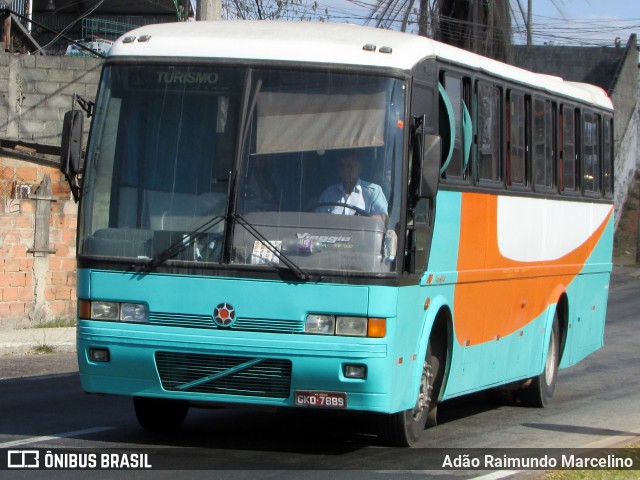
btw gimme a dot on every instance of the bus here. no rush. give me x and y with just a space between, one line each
329 216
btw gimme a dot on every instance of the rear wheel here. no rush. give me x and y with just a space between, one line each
403 429
159 414
539 390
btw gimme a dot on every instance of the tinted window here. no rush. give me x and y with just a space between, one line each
517 140
591 161
489 139
568 149
543 145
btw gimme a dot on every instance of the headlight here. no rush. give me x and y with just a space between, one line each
323 324
113 311
351 326
320 324
133 312
105 311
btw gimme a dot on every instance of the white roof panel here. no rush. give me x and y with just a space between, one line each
327 43
273 40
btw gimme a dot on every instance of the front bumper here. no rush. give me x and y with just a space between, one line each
227 367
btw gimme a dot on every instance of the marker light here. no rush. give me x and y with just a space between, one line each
377 328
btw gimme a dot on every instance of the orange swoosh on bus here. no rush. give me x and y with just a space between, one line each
497 296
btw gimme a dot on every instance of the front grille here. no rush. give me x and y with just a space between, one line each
243 324
220 374
180 320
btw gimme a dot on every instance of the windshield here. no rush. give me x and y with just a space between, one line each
307 161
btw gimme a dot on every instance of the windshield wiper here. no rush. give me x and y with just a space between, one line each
299 272
182 244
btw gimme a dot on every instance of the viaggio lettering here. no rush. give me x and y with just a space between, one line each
324 238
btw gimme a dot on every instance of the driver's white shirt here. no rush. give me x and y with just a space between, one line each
365 196
354 198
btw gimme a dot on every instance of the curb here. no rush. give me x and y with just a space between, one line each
30 339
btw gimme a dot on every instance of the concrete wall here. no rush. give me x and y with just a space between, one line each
36 90
626 161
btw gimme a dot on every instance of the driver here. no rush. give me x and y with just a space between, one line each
364 196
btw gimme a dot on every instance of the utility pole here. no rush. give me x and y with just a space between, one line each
209 10
529 15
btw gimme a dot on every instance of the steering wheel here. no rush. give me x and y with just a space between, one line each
358 210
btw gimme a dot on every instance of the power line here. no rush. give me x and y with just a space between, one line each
545 29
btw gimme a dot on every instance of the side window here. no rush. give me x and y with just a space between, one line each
568 153
543 144
453 87
607 156
488 164
517 138
591 153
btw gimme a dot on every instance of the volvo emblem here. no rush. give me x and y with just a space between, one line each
224 315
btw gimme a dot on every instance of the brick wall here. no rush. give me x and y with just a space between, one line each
35 287
35 91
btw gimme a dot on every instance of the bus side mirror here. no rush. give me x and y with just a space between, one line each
71 149
430 153
71 146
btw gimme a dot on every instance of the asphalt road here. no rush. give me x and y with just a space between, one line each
595 404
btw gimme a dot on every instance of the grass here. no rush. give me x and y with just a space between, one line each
631 451
57 323
44 348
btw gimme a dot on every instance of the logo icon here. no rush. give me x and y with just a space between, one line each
23 459
224 315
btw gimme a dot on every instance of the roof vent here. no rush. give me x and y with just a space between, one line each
144 38
369 47
385 50
129 39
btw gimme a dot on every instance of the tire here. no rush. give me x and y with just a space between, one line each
160 415
404 429
539 390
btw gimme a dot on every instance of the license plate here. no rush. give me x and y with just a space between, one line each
321 399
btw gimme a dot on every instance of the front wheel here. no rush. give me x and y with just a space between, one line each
159 414
539 390
403 429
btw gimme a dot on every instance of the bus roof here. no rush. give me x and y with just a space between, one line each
326 43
